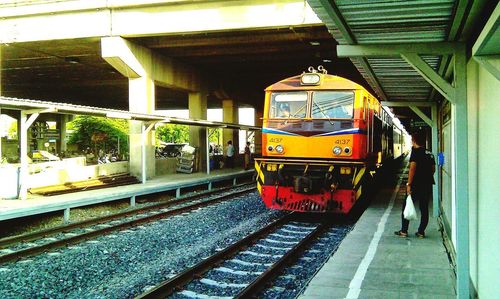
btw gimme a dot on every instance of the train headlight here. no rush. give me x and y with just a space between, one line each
270 148
279 149
310 79
337 150
347 150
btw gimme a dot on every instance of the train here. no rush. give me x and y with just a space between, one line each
324 138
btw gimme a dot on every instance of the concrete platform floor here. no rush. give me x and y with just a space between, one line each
15 208
372 262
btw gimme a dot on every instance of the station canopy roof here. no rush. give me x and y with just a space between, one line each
33 106
401 22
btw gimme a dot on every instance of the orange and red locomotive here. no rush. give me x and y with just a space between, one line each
323 138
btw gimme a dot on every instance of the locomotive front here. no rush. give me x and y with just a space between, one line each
314 145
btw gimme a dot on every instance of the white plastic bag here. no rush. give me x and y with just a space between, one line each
409 213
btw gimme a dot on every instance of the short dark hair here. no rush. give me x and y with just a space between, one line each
418 138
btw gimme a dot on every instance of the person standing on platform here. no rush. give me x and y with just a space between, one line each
419 185
247 156
230 154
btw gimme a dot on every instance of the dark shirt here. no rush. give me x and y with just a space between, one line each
423 176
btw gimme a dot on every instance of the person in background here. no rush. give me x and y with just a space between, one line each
419 186
230 154
247 156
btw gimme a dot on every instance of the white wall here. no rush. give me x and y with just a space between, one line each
484 163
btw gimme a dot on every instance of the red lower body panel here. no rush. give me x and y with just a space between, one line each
284 198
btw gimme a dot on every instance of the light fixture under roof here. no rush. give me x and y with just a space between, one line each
72 59
314 43
327 60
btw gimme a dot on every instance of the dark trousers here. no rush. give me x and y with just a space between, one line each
230 162
423 197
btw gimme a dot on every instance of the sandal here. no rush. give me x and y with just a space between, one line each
401 233
420 235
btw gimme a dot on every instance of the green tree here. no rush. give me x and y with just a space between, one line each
173 133
215 136
99 133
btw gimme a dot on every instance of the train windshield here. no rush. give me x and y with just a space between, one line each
288 105
332 104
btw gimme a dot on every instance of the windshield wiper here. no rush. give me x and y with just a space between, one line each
323 112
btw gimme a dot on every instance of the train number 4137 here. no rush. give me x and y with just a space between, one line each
342 141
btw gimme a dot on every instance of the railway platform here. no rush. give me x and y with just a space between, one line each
11 209
371 262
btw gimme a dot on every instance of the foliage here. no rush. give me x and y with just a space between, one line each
173 133
99 133
216 137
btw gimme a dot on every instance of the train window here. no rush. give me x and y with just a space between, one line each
288 105
332 104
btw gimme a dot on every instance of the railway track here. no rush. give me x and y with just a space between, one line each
246 268
18 247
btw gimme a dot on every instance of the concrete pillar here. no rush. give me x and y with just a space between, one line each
198 135
61 125
144 67
258 134
24 124
230 115
136 63
141 99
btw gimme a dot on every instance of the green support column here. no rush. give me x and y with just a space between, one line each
435 151
459 110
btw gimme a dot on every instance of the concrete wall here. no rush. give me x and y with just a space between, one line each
166 166
75 172
484 162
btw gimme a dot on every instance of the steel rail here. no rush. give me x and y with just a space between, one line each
9 241
261 282
98 232
169 286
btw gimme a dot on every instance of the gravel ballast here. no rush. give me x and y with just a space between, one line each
126 263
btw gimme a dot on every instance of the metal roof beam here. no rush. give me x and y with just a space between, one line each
441 48
430 75
486 49
422 115
488 41
334 13
369 71
491 63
